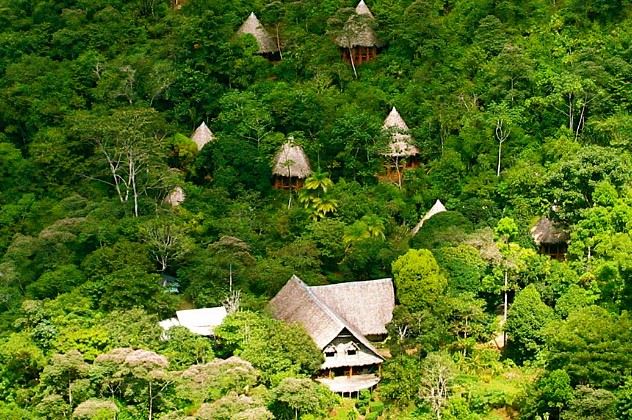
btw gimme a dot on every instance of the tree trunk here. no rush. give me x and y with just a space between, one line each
500 149
505 305
230 277
506 298
151 403
355 73
399 173
278 42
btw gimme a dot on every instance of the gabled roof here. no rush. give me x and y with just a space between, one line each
310 307
291 161
548 232
436 208
202 135
199 321
367 305
253 27
401 141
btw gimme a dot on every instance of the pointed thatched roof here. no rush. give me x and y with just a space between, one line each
401 141
175 197
202 135
357 31
253 27
546 231
436 208
363 9
297 302
291 161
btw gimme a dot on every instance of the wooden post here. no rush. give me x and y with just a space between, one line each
350 371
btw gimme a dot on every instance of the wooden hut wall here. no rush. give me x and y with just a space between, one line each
285 183
360 54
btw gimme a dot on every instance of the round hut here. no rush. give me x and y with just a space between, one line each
401 154
202 135
268 45
551 239
358 42
291 167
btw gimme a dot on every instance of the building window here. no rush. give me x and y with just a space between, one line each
330 351
352 349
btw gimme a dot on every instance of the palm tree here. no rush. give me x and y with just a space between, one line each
319 181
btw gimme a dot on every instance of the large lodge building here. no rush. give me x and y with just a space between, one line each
342 319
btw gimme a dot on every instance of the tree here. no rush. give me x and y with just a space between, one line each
61 373
130 144
314 195
527 319
304 396
279 350
167 241
504 118
231 250
418 279
137 376
436 381
591 404
592 346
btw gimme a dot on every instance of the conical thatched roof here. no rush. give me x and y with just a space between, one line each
202 135
401 142
252 26
363 9
175 197
547 232
437 208
291 161
357 31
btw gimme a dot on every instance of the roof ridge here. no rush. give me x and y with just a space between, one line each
385 279
340 319
318 302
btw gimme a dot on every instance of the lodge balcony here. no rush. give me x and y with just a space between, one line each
350 386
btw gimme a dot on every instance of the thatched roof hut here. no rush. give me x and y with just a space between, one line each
252 26
175 197
436 208
546 232
401 141
202 135
291 162
357 31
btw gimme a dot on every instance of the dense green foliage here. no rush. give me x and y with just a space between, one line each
519 110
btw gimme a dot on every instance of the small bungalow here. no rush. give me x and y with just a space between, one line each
436 208
342 319
199 321
358 42
202 136
290 167
401 154
551 239
268 46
